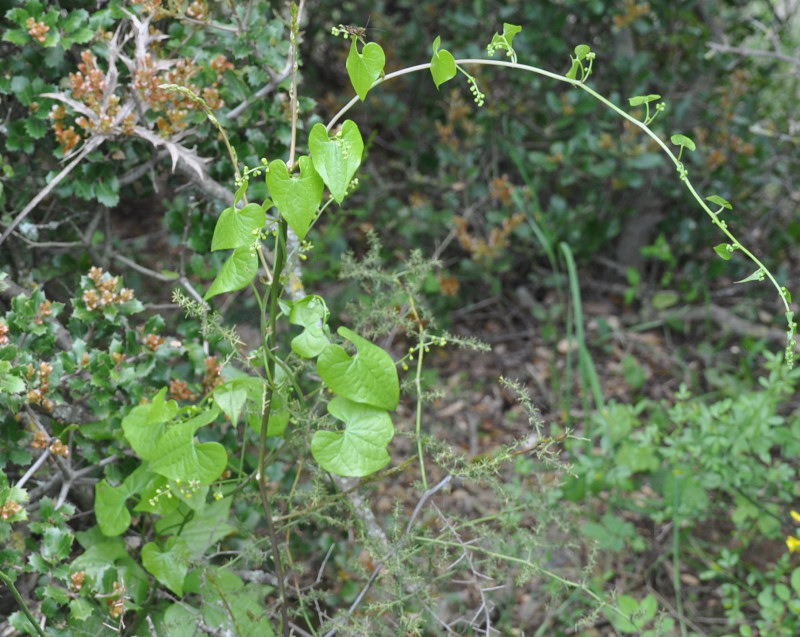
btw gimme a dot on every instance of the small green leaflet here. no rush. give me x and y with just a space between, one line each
311 313
643 99
168 566
682 140
443 64
724 251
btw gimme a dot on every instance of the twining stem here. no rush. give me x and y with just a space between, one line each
636 122
268 343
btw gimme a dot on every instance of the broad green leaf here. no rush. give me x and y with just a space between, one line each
719 201
365 67
682 140
232 395
311 313
168 566
723 250
360 449
203 530
297 198
238 228
180 457
336 160
112 514
278 417
758 275
145 424
643 99
237 272
368 377
443 64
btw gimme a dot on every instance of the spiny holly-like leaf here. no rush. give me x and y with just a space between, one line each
312 313
237 228
360 449
443 64
365 67
682 140
237 272
298 197
336 160
368 377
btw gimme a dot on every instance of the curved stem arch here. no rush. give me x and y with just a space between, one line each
721 225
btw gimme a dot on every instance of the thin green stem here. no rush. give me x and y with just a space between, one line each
721 225
418 387
21 603
581 586
268 343
676 562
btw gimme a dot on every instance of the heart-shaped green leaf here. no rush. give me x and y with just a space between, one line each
723 251
168 566
443 64
361 448
336 160
236 228
237 272
180 457
312 313
231 396
365 67
297 198
368 377
112 514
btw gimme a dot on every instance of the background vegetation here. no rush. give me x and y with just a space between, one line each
637 473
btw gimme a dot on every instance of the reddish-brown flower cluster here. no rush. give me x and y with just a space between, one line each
116 604
632 11
153 341
197 10
45 309
66 137
77 578
3 333
108 291
482 249
212 376
37 30
42 441
9 509
38 395
179 390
